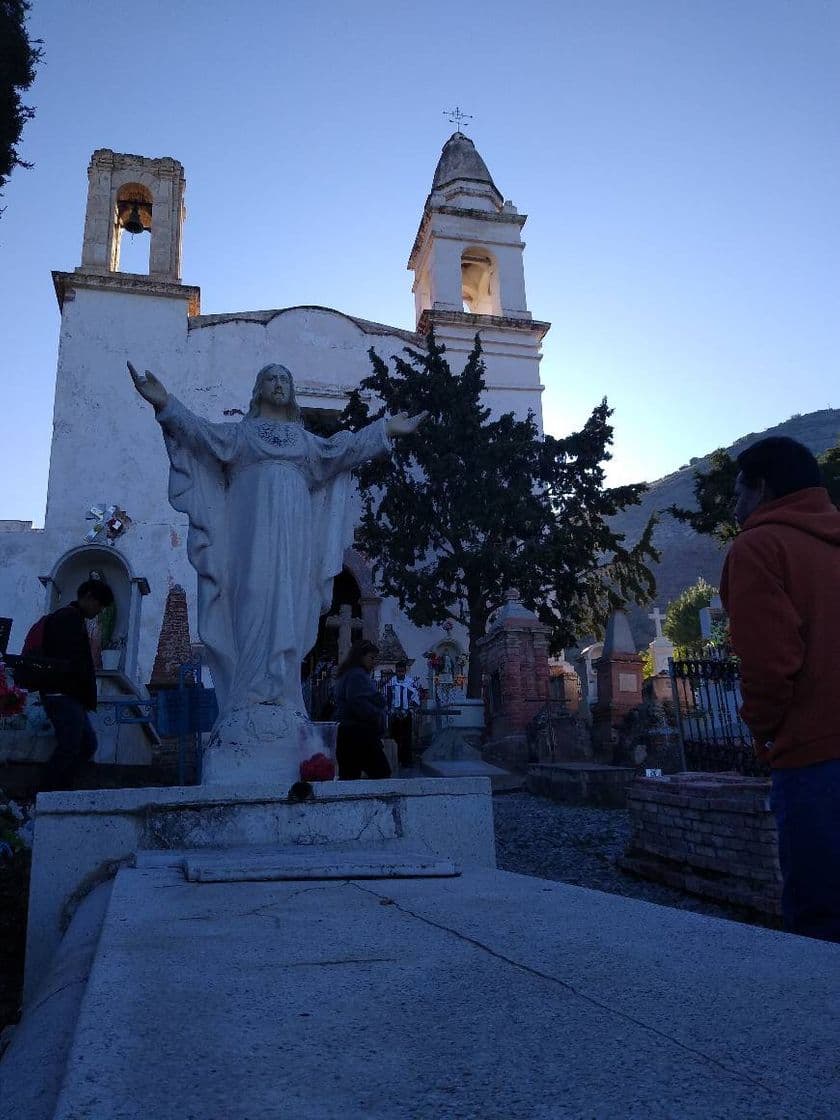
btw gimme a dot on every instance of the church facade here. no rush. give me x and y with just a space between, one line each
467 263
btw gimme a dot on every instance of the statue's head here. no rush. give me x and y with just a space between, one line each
275 387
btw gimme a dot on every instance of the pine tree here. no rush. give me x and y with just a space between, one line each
470 506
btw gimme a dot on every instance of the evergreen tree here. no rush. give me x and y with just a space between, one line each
714 493
468 507
682 618
18 59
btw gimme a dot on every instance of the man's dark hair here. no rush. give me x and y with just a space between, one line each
354 658
783 463
97 590
401 665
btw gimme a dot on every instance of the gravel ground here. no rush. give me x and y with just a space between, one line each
580 845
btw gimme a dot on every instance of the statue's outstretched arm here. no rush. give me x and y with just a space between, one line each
149 387
403 425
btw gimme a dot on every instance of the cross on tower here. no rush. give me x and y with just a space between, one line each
657 617
345 624
457 117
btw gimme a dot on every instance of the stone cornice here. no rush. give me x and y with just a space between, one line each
131 283
503 217
437 317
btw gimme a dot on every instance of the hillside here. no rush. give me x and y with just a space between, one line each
685 554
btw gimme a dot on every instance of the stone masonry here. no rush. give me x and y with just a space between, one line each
709 834
514 660
173 648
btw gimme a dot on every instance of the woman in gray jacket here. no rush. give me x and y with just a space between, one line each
360 713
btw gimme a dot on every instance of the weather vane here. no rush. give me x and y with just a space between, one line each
457 117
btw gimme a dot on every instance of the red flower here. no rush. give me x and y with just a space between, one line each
12 698
318 768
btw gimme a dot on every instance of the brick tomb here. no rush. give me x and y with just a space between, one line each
709 834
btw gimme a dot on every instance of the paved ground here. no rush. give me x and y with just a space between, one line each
489 996
574 844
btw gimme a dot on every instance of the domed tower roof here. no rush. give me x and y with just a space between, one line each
460 160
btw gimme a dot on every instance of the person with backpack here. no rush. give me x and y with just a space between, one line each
66 679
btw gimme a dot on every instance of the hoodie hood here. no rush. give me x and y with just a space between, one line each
810 510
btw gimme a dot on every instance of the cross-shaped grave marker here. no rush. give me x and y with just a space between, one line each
345 624
657 617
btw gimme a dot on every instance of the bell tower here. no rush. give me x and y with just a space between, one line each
140 196
103 448
133 194
469 277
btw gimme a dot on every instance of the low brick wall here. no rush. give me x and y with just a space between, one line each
709 834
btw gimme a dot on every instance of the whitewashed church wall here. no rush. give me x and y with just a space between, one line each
321 348
22 560
106 446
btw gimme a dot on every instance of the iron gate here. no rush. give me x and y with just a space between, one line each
707 700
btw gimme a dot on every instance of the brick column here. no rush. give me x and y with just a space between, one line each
174 642
619 672
514 662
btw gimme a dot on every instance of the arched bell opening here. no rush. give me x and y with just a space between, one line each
132 216
480 282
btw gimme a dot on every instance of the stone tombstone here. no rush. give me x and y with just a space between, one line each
661 648
586 661
348 628
514 653
620 671
565 683
709 616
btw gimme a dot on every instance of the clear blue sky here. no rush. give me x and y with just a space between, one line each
679 161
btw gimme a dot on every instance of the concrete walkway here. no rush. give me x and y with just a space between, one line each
489 995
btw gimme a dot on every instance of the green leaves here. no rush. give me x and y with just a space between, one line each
471 505
20 57
714 492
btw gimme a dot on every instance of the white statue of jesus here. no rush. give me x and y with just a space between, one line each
270 514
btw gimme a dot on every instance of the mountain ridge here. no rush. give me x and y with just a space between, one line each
685 554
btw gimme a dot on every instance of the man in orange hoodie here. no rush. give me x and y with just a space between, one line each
781 589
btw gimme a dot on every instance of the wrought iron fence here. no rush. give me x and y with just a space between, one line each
707 700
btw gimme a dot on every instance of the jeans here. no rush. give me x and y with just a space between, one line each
75 741
806 804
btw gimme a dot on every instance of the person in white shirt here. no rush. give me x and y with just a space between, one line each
403 697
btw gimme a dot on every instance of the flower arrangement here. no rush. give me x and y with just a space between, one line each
318 768
109 523
15 828
12 698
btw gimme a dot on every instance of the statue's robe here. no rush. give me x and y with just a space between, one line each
271 510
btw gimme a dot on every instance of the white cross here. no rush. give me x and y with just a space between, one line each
657 617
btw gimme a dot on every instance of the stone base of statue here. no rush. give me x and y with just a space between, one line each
264 745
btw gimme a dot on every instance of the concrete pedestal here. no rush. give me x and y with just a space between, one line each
265 745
